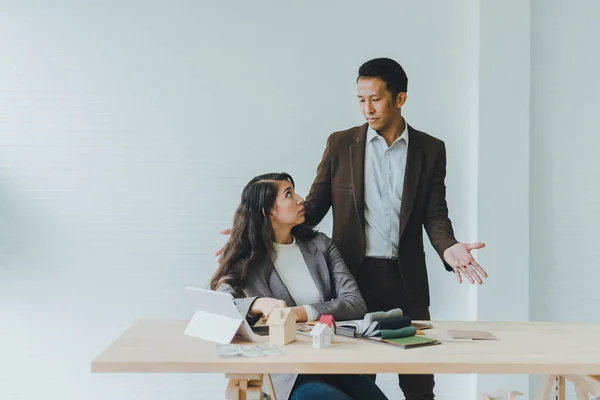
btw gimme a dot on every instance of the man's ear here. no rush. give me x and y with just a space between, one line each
401 99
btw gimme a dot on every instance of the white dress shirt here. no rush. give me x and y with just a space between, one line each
293 271
384 181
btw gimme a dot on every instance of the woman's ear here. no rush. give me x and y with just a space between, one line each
265 214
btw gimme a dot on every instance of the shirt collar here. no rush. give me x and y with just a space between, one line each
371 134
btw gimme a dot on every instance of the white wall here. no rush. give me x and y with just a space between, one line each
129 132
126 135
503 170
565 168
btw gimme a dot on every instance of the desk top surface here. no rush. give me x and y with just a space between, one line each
521 348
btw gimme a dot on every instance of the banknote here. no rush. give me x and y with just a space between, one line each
270 350
251 350
228 350
247 350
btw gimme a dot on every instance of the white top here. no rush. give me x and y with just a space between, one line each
384 180
294 273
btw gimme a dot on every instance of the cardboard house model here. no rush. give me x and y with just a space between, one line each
329 321
322 336
282 326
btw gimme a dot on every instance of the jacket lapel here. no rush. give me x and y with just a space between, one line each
357 170
317 265
411 178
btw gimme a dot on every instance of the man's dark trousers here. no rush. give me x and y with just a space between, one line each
380 283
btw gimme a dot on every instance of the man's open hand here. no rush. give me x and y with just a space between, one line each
462 262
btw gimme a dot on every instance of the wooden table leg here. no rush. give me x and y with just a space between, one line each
561 388
244 387
546 388
581 394
232 392
248 387
585 385
269 385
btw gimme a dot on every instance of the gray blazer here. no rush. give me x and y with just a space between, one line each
339 292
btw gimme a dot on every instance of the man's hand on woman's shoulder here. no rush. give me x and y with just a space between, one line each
219 253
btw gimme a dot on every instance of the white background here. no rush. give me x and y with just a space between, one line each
128 130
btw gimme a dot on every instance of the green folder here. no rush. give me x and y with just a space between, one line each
398 333
412 341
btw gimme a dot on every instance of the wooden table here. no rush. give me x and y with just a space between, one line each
559 350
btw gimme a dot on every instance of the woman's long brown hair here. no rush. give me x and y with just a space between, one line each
251 239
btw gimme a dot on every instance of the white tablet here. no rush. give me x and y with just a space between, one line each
217 318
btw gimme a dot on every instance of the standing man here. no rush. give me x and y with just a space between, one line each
385 181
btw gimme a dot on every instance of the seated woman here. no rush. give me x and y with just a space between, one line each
272 260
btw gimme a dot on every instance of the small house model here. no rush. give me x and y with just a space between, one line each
282 326
322 336
329 321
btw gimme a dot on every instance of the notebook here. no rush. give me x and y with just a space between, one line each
405 342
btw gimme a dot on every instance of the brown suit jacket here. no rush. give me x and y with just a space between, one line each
340 184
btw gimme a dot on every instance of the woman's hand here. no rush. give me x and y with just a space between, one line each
301 315
264 306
